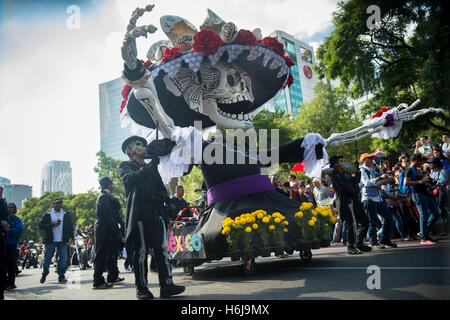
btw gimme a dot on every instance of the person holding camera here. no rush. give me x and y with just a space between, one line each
58 228
145 216
374 204
423 147
419 182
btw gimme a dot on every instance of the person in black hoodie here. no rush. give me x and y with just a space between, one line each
145 218
58 228
349 206
107 236
4 227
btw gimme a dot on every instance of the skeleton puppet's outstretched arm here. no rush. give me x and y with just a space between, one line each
401 113
137 76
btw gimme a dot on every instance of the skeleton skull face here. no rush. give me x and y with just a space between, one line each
226 93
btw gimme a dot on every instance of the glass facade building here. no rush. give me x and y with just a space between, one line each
111 133
17 193
56 176
302 90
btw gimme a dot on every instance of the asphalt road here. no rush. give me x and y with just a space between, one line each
409 272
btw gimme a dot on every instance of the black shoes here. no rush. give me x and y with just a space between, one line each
101 286
389 244
42 279
62 280
118 280
170 290
364 248
144 294
352 250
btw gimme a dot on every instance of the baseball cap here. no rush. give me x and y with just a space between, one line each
364 156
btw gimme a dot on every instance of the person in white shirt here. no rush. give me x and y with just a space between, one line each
58 228
423 147
374 205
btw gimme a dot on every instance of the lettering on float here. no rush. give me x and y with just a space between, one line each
189 242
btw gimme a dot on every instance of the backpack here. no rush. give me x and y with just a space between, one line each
401 182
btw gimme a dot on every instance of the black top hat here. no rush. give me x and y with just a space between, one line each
334 160
131 139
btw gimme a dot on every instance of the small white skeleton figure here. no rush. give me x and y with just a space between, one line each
401 113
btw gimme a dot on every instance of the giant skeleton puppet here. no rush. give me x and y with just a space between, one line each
223 76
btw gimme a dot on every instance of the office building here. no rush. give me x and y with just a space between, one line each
56 176
17 193
111 133
305 79
4 181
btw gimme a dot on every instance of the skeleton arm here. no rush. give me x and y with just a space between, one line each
401 113
137 76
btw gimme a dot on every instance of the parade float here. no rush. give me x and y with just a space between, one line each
213 80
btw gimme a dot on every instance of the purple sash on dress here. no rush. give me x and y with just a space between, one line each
239 187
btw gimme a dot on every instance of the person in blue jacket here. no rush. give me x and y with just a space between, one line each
14 233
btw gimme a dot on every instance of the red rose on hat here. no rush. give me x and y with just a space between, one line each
273 44
171 53
207 42
245 37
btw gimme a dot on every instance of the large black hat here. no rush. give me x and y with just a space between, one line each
130 139
263 62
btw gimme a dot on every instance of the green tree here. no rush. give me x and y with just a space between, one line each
83 208
406 57
107 166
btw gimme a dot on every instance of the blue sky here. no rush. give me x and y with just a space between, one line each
50 74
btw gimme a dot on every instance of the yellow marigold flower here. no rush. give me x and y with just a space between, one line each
265 220
255 226
277 220
285 230
285 223
248 229
253 220
314 213
314 218
248 220
326 224
260 215
300 214
311 223
271 227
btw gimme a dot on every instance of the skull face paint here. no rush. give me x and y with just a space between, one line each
137 148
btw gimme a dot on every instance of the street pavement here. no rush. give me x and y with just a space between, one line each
409 272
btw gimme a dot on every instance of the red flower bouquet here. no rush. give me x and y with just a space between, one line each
380 112
171 53
245 37
207 42
273 44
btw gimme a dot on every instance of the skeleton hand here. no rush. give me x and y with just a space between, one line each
401 113
404 112
129 50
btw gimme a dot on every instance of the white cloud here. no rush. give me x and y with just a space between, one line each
50 75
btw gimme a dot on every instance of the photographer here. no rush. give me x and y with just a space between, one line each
423 147
422 197
374 204
440 179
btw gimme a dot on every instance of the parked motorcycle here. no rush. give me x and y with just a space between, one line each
30 258
79 254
